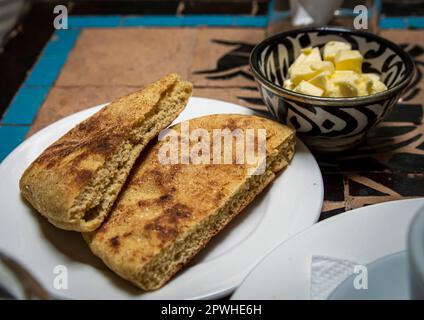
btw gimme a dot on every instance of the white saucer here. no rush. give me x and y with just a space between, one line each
362 235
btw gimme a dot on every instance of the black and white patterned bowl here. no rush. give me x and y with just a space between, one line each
329 124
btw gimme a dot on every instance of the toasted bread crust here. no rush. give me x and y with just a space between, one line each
167 213
55 181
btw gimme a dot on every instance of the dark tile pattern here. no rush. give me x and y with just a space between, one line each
406 185
225 7
169 7
357 189
334 186
21 51
125 7
331 213
402 8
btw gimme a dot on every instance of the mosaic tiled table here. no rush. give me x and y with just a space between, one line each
91 64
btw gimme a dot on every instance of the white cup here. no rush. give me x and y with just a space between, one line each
416 255
313 12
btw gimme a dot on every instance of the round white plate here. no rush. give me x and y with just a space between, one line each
292 204
362 235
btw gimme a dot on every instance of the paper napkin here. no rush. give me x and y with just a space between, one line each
327 273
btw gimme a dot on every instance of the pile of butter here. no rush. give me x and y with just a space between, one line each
338 74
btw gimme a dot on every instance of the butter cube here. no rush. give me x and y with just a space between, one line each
307 88
311 54
321 79
373 83
338 75
288 84
344 75
348 89
322 66
307 56
307 50
349 60
301 72
372 76
306 71
332 90
377 86
332 47
363 85
345 83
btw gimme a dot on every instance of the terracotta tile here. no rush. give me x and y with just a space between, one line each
403 36
128 56
244 97
62 102
221 56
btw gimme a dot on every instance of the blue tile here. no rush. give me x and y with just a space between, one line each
152 21
393 23
416 22
251 21
278 15
25 105
61 43
193 21
32 93
346 12
45 71
271 8
52 58
10 138
208 20
93 21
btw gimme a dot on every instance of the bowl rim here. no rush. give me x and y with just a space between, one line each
334 101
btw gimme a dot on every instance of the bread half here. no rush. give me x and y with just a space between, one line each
166 213
76 180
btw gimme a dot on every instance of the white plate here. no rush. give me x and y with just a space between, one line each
362 235
273 217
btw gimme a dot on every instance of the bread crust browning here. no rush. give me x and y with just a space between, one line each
167 213
57 180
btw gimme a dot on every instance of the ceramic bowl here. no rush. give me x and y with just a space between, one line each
329 124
